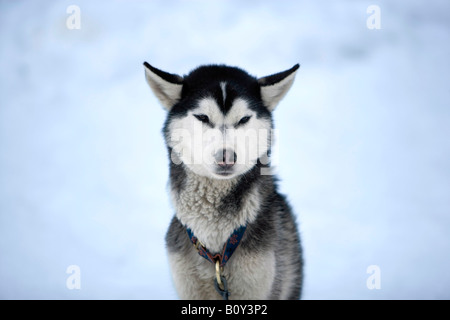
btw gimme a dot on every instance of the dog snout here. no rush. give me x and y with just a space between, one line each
225 158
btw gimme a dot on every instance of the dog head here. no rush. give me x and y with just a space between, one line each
219 122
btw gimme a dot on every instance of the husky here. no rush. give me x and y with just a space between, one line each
233 236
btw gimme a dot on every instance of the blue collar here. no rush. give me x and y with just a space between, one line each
228 248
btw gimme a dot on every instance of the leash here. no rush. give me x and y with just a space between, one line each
219 259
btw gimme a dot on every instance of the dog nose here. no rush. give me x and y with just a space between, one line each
225 158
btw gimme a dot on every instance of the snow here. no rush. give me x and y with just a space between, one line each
363 145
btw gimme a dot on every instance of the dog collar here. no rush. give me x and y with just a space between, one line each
228 248
219 259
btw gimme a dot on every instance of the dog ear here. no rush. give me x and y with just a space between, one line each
275 86
166 86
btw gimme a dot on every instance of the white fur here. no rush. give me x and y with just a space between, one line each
272 94
196 143
196 207
168 93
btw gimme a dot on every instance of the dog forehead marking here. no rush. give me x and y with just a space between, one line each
223 86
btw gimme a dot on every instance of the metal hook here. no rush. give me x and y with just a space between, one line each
219 275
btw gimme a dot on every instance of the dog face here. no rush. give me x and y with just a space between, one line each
219 122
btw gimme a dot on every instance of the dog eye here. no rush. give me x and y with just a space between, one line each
202 117
244 120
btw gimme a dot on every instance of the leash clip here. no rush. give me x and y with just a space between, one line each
220 282
219 276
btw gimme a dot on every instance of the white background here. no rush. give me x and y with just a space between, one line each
364 140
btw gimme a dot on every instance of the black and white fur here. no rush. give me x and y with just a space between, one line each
218 194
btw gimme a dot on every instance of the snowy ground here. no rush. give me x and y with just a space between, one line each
364 140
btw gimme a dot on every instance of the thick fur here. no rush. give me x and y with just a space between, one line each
268 262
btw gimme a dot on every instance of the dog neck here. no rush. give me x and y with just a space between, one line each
213 208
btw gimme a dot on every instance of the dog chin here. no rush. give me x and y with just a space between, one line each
218 173
224 174
213 173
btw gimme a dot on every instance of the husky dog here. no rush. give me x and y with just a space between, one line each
233 235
